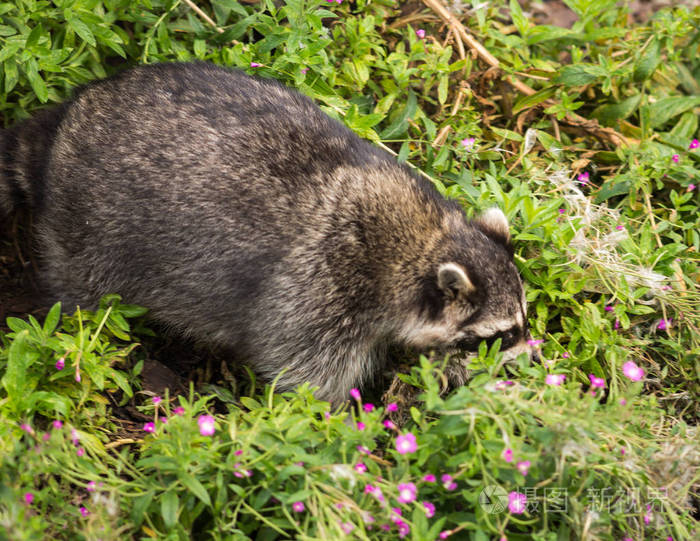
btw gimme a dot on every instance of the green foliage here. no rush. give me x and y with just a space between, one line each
606 236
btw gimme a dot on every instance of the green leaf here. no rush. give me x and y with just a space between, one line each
82 30
195 487
686 126
577 75
38 84
141 503
16 380
648 62
611 188
169 504
34 36
11 74
665 109
52 318
400 124
530 101
609 114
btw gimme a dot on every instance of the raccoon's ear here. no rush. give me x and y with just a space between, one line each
493 221
453 280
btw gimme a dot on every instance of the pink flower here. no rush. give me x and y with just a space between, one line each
664 324
676 158
429 509
500 385
694 144
388 424
517 503
468 143
363 449
565 355
298 507
238 452
347 527
149 427
447 482
28 498
90 486
255 65
406 443
84 511
619 227
429 478
57 424
623 402
392 407
368 407
554 379
61 363
445 534
74 436
304 70
156 400
608 308
420 33
632 371
77 374
562 211
376 492
622 451
355 393
534 343
361 425
596 382
28 429
508 455
360 467
206 425
178 410
524 467
407 492
616 325
690 187
80 451
583 177
404 529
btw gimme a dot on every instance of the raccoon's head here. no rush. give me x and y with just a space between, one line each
472 293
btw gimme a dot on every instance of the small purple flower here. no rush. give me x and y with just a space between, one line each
304 70
179 410
468 143
388 424
694 144
632 371
392 407
445 534
664 324
347 527
407 492
619 227
149 427
80 451
362 449
501 385
562 211
404 529
524 467
554 379
255 65
616 325
91 486
608 308
361 425
156 400
206 425
368 407
517 503
565 355
690 187
421 34
623 402
406 443
429 509
360 467
28 429
583 177
298 507
28 498
238 452
676 158
507 455
84 511
355 393
596 383
429 478
534 343
61 363
57 424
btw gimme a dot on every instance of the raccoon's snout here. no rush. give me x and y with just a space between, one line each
535 356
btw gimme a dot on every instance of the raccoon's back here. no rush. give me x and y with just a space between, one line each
179 185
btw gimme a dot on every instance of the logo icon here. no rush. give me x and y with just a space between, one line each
493 499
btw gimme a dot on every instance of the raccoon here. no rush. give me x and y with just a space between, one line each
243 216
